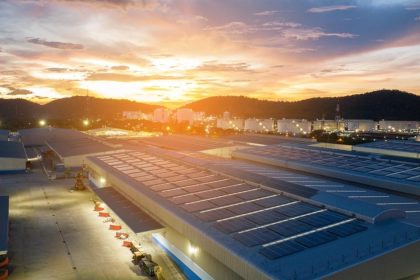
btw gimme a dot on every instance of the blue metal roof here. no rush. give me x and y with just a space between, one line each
4 222
395 145
4 132
11 149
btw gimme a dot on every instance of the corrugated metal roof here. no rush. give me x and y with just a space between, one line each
133 217
11 149
75 147
4 222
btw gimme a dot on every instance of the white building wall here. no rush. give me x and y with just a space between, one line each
360 125
259 125
162 115
236 124
398 126
294 126
185 115
328 125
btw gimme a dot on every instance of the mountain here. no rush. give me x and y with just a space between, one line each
19 109
72 107
80 106
381 104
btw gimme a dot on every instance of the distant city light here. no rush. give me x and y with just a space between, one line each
42 122
86 122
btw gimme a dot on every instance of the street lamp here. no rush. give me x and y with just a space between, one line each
42 122
86 122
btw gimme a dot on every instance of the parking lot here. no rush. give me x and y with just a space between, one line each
55 234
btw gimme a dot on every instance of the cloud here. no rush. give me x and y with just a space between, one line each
234 27
417 18
127 77
120 67
326 9
316 33
266 13
143 4
223 67
55 45
20 92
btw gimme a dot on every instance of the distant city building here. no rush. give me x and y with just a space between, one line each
360 125
236 124
226 115
199 116
259 125
136 115
329 125
185 115
294 126
161 115
399 126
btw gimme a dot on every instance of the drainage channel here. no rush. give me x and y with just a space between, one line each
73 265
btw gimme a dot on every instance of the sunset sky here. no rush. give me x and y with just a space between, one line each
174 51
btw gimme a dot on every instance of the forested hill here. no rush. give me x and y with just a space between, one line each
381 104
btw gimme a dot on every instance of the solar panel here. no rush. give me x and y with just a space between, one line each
209 179
296 209
186 183
347 229
257 237
266 217
198 206
184 199
238 188
153 182
210 194
163 187
290 228
245 208
145 178
223 183
322 219
226 200
234 225
171 193
273 201
254 194
281 249
316 239
214 215
166 174
197 188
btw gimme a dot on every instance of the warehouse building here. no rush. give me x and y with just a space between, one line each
259 125
12 157
294 126
399 126
73 152
234 124
224 222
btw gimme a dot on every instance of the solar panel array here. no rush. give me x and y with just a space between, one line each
405 171
341 188
276 224
404 146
